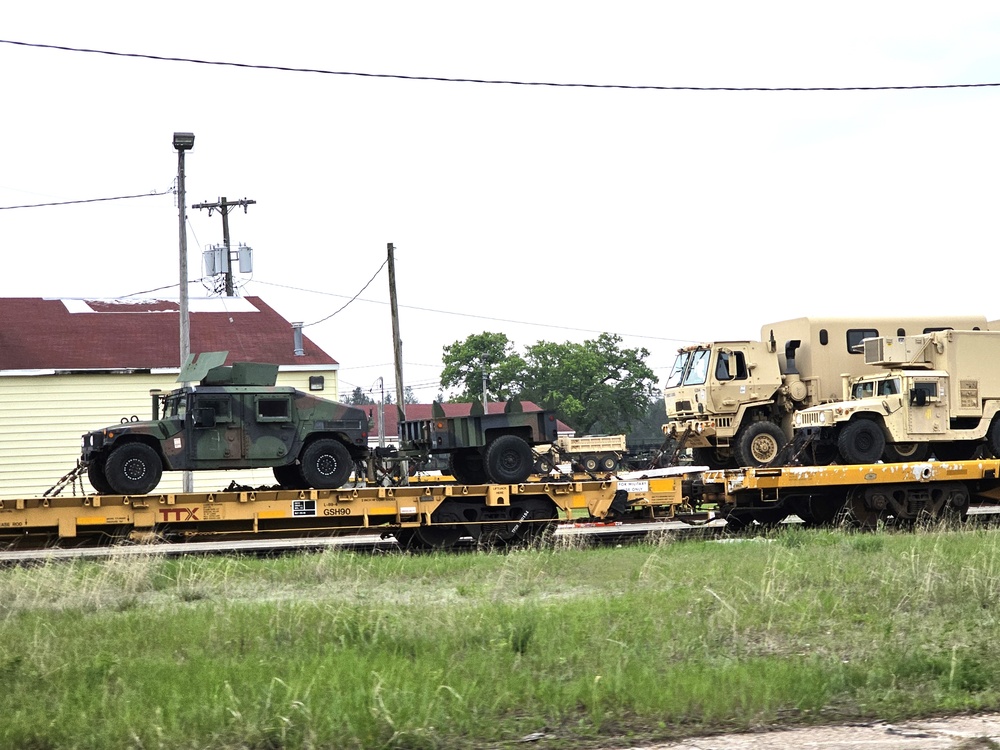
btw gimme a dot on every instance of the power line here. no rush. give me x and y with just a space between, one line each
472 315
352 298
501 82
87 200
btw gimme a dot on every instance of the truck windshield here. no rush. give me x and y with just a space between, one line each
676 376
175 406
690 368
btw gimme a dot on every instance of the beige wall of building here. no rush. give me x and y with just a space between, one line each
43 416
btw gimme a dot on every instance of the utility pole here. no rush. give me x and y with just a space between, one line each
224 207
397 344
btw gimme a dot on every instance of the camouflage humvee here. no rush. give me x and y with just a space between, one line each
235 418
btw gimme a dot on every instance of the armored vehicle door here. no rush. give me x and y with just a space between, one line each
270 429
928 410
216 433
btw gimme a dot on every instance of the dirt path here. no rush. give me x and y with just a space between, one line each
955 733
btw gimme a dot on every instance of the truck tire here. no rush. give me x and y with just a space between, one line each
326 464
759 443
508 460
133 469
608 461
98 480
861 442
590 463
901 452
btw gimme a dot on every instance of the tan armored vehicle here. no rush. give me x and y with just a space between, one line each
732 401
935 393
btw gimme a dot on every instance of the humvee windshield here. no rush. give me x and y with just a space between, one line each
869 388
175 406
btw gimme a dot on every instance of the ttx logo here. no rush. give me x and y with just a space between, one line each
179 514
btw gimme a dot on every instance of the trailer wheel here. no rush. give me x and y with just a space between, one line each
98 480
466 466
508 460
543 466
861 442
608 462
898 452
759 443
590 464
326 464
133 469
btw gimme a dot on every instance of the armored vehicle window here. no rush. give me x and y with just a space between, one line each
273 409
218 404
731 366
856 335
864 389
888 387
921 393
943 328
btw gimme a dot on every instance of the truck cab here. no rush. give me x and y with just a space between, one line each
708 393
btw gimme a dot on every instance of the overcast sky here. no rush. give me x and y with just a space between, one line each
542 212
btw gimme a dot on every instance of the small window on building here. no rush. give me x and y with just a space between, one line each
273 409
316 382
856 335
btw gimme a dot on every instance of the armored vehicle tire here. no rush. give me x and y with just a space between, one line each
759 443
289 477
467 466
326 464
98 480
899 452
608 461
133 469
508 460
861 442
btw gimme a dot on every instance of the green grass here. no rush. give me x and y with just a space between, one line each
603 646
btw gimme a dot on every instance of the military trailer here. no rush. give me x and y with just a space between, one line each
482 448
234 418
935 393
732 402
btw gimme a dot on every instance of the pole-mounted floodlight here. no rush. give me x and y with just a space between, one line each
183 142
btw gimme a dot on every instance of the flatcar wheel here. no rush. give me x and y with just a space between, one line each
857 514
429 537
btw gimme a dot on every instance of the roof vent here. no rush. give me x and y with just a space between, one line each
297 333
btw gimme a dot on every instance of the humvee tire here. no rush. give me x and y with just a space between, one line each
133 469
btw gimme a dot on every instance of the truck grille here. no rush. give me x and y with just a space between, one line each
810 420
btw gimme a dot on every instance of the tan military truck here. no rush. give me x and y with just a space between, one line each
732 401
934 393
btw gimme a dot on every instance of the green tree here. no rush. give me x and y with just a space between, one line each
357 397
593 386
408 396
465 363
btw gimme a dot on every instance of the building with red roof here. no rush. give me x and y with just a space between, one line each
68 366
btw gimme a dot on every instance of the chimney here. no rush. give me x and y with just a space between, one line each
297 333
